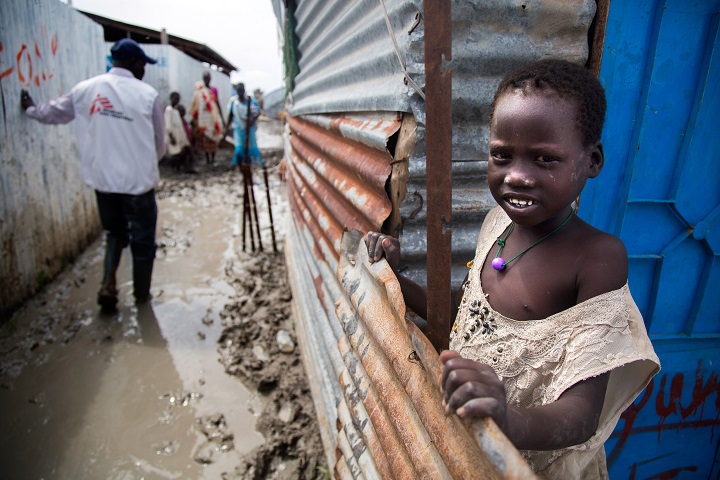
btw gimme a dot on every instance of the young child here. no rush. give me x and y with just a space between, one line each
547 339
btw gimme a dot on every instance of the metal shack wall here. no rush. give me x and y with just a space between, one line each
345 136
660 193
178 72
47 213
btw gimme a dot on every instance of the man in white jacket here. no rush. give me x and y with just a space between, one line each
120 135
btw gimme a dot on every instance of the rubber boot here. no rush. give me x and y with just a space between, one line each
107 295
142 277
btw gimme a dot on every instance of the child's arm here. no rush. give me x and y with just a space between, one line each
473 390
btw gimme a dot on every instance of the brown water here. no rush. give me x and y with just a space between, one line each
139 394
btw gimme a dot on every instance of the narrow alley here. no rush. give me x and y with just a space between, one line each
146 393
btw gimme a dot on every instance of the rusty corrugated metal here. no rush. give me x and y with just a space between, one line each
335 182
373 319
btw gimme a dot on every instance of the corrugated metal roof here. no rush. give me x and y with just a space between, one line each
115 30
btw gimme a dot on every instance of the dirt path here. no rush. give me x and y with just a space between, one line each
194 385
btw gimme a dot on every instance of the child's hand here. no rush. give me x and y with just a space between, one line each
379 243
472 389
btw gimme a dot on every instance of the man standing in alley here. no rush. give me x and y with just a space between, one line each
121 136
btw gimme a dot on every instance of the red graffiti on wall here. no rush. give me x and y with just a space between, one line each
669 402
30 63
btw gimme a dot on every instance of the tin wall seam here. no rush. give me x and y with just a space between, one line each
46 47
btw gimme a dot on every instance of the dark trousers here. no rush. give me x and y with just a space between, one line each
130 219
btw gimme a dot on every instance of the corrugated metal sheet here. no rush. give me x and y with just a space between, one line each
348 171
347 59
402 370
179 72
336 182
47 213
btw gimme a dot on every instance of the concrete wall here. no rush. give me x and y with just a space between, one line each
47 214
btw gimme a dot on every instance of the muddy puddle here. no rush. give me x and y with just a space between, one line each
204 382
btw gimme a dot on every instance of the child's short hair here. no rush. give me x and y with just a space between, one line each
569 80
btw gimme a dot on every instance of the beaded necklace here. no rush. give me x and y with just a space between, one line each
499 263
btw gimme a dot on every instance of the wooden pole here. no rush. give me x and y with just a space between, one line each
248 169
272 224
438 134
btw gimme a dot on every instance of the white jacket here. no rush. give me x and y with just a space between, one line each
120 130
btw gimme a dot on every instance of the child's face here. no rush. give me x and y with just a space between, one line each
538 164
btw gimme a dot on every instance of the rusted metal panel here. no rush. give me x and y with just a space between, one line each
47 213
372 129
438 132
337 183
374 443
374 320
391 394
306 305
352 443
362 395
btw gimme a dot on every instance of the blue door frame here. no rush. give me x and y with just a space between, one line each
660 193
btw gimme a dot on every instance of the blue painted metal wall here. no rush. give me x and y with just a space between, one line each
660 192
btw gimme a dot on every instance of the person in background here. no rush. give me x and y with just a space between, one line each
206 119
121 136
238 115
547 340
178 144
188 132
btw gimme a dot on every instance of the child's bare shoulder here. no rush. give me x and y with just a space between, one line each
603 263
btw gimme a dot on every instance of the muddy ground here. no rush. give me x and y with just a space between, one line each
257 323
255 342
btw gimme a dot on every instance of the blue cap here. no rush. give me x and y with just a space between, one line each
127 49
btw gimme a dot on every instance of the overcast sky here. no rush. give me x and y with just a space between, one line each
245 32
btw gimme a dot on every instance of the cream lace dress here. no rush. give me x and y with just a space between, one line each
539 359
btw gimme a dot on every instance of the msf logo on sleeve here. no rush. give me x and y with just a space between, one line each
102 106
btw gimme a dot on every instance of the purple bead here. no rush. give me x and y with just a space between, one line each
498 263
